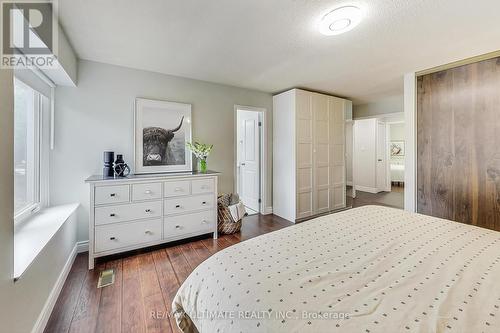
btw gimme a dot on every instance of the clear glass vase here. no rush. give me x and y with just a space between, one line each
202 165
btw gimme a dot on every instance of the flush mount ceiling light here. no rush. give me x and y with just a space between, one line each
340 20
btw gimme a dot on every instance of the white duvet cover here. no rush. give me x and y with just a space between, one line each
369 269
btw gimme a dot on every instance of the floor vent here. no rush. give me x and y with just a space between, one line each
106 278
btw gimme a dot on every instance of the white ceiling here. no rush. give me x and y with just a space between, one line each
273 45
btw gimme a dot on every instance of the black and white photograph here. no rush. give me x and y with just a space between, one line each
161 131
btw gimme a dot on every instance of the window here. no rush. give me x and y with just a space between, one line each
28 139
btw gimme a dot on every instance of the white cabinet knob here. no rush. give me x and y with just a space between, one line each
148 192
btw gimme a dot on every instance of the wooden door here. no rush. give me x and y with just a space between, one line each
458 144
249 158
381 165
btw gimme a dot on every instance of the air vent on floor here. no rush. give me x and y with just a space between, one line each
106 278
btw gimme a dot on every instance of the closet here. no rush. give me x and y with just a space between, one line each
308 153
458 144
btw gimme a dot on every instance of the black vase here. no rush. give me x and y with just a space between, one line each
121 169
108 158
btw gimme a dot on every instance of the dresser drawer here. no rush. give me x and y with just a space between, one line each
188 204
175 226
115 236
199 186
147 191
177 188
121 213
112 194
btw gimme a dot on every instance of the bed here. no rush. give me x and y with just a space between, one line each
368 269
397 172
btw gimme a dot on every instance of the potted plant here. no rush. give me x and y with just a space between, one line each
201 151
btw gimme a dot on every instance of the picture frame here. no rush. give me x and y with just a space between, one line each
397 148
161 130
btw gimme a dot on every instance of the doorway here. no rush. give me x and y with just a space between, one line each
397 149
378 161
250 157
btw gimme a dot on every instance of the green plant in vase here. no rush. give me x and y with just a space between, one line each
201 151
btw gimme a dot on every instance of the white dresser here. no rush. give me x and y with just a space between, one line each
145 210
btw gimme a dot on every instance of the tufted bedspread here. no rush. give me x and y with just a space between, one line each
369 269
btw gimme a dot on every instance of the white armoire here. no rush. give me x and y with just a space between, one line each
308 153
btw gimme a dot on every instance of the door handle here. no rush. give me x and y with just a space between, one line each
243 164
379 160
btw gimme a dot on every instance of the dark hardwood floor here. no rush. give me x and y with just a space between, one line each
145 284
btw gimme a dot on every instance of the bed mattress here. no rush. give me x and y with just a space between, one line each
397 173
369 269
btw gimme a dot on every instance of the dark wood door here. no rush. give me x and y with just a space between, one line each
458 144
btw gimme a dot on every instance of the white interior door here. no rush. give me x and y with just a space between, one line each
248 158
381 156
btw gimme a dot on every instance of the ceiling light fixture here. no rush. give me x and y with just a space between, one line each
340 20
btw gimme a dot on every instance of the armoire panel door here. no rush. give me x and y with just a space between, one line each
321 153
337 151
304 154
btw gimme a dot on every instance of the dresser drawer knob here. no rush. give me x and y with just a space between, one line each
112 238
178 189
204 203
148 232
204 221
148 210
177 227
177 206
112 194
112 215
148 192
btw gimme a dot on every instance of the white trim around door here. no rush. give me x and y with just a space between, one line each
410 107
263 209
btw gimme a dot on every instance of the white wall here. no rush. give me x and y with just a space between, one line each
21 302
393 104
364 157
98 115
397 133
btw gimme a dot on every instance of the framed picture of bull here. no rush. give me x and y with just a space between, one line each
161 132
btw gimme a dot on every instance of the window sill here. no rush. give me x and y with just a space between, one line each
34 233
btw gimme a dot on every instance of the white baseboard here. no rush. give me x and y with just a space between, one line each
367 189
267 211
82 246
44 316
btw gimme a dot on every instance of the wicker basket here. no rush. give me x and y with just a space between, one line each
225 222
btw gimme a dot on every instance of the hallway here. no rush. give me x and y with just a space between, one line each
394 199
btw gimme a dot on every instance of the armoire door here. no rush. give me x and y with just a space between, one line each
337 108
321 153
304 154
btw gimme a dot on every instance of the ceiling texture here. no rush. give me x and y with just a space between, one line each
273 45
